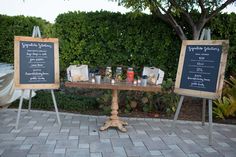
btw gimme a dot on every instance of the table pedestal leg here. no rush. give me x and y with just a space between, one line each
114 120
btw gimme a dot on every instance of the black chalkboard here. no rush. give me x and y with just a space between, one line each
36 62
201 67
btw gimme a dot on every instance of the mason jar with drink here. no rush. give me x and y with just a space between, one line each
130 75
108 74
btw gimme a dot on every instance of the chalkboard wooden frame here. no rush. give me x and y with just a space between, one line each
220 78
56 83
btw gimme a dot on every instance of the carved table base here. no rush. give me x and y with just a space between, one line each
114 123
114 120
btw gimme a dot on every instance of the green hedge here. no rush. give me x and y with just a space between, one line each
69 102
104 38
224 27
11 26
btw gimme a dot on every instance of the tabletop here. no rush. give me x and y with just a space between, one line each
115 86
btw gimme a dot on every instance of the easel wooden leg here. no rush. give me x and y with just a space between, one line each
55 106
210 122
30 96
204 112
19 109
177 113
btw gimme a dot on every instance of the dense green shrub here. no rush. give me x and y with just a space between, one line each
104 38
226 106
68 102
223 26
11 26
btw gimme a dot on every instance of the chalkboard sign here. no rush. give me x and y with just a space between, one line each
201 68
36 63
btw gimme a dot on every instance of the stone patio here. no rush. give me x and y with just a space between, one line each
79 136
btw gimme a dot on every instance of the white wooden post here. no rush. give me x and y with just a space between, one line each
30 98
204 112
177 113
210 122
55 106
19 109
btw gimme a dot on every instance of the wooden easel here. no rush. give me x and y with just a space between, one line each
36 33
206 35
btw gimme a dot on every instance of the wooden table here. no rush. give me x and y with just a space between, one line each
114 120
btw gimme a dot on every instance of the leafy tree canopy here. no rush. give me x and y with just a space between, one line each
174 12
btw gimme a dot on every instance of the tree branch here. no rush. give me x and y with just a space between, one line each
157 11
167 17
202 20
201 4
224 5
184 12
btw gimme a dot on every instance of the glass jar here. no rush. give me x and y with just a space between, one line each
108 74
118 77
144 80
130 75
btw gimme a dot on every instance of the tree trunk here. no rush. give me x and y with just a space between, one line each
196 34
197 28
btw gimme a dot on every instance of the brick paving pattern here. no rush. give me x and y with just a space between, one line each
79 136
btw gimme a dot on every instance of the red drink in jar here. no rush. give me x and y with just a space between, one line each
130 75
